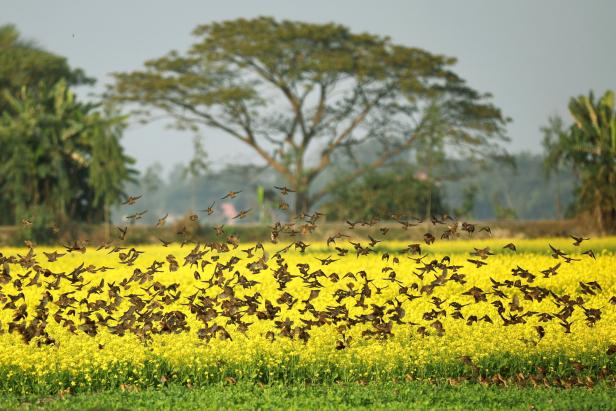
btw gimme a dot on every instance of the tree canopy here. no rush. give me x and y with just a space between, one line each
589 147
381 194
298 93
61 159
23 63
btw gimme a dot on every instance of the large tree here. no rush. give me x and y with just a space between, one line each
382 194
23 63
298 93
60 159
589 147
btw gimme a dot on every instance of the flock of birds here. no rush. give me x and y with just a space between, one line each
225 301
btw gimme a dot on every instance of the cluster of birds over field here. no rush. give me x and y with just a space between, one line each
226 300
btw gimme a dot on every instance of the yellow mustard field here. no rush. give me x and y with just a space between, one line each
147 315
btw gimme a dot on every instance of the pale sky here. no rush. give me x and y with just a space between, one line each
531 55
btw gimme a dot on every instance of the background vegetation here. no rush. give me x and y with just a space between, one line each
354 131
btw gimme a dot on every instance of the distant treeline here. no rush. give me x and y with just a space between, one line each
495 190
392 135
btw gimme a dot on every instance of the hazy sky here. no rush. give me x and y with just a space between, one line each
531 55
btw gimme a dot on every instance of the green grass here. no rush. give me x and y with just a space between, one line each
13 381
390 396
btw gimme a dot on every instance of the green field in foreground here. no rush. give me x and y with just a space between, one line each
390 396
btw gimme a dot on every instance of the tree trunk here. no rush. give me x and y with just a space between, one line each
302 202
599 212
429 203
558 207
107 221
193 194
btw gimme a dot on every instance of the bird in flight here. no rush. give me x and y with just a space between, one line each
210 209
242 214
590 253
578 240
231 194
284 190
162 220
136 216
122 232
510 246
132 200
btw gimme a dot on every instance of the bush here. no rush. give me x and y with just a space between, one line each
381 194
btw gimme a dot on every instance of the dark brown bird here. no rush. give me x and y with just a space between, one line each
132 200
486 229
284 190
326 261
468 227
122 232
429 238
231 194
210 209
242 214
161 221
511 247
351 224
414 248
51 257
556 253
332 239
484 253
551 271
373 242
478 263
578 240
590 253
136 216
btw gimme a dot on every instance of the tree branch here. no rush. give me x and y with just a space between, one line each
248 138
380 161
337 141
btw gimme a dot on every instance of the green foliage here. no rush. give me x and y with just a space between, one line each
60 158
503 212
353 396
469 194
22 63
381 194
41 229
151 180
589 147
297 91
524 190
198 165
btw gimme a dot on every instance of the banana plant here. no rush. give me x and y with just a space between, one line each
59 155
589 146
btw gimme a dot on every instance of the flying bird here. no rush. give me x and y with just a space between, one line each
242 214
162 220
284 190
132 200
210 209
578 240
231 194
511 247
